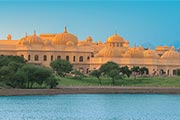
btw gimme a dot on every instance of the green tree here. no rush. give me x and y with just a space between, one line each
9 65
16 73
6 76
143 70
125 71
5 60
32 74
20 79
135 71
178 72
77 74
97 74
111 69
61 67
52 82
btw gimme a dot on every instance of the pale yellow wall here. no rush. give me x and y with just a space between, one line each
89 49
151 64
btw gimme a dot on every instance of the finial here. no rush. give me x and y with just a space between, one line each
149 47
116 33
34 32
9 37
172 48
135 45
65 29
26 34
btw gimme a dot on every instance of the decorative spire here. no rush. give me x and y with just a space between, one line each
65 29
26 35
34 32
115 33
172 48
9 37
149 47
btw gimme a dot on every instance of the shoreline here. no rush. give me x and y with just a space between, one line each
91 90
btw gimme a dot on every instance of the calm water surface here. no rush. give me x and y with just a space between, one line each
91 107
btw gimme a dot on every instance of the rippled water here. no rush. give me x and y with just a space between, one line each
91 107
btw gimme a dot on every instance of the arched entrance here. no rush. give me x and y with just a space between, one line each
174 72
168 72
162 72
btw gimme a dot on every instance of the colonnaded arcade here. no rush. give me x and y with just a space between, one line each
87 55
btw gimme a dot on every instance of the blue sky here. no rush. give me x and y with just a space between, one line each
147 23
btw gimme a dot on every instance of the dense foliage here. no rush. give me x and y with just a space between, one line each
61 67
112 70
16 73
178 72
115 72
97 74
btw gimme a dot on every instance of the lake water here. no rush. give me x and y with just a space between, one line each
91 107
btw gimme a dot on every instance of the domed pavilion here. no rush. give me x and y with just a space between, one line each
88 54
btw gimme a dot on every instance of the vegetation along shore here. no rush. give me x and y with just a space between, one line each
18 77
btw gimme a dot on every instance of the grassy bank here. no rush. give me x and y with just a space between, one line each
140 81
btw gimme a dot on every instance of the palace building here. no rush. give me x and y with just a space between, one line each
87 55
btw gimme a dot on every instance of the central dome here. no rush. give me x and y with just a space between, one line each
171 54
31 40
110 52
63 38
34 39
150 54
115 38
134 53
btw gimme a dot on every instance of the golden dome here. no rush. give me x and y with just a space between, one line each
110 52
9 37
62 38
47 42
70 43
99 42
162 48
126 42
34 40
134 52
141 48
171 54
150 54
23 41
89 39
115 38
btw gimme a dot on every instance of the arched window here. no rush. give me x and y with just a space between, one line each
67 58
36 58
51 57
22 56
58 57
81 59
45 58
29 57
74 58
88 57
